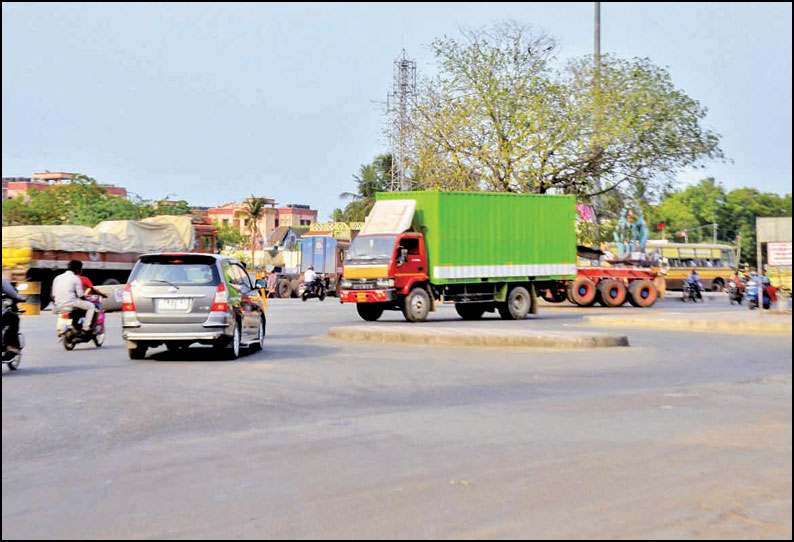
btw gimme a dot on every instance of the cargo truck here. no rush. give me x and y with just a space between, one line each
108 251
482 251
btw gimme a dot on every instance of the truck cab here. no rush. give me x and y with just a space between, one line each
382 268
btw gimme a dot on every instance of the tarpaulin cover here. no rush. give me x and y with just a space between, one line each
147 235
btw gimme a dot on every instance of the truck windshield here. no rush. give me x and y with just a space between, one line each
371 249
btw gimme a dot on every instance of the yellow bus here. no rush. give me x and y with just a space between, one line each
715 262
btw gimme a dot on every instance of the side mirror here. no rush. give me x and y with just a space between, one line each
402 255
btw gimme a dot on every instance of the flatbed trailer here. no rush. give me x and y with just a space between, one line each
609 286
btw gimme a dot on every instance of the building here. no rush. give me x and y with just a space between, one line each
13 186
292 215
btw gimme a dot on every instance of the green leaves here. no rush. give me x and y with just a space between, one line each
500 117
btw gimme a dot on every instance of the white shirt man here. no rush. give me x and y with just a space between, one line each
309 276
67 293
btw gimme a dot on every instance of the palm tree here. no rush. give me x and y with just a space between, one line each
371 178
254 210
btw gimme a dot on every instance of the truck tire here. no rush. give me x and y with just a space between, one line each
470 311
583 292
612 293
283 289
416 305
294 284
369 311
642 293
110 282
517 305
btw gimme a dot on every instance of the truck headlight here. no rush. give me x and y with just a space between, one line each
384 283
345 283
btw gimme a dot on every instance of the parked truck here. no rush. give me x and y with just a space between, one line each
108 251
484 252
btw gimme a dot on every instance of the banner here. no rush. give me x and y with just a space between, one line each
778 253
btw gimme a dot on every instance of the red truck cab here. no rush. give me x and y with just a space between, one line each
381 268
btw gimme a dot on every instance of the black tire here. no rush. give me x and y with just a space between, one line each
305 296
717 285
283 288
110 282
139 352
470 311
612 293
68 345
260 334
416 305
369 311
232 349
294 284
321 297
517 305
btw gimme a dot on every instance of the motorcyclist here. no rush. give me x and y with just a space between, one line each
11 320
310 279
68 294
694 281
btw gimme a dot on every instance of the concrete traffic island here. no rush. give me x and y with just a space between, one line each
474 336
772 322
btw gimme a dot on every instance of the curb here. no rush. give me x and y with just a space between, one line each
476 337
684 324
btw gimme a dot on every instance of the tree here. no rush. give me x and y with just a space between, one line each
499 117
253 210
228 236
371 178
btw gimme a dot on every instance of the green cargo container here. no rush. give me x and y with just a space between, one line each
471 236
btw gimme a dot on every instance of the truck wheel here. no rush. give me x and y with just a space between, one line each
613 293
517 305
283 289
416 305
642 293
583 292
293 286
110 282
369 311
470 311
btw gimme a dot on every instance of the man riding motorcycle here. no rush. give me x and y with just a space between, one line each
68 294
10 321
694 282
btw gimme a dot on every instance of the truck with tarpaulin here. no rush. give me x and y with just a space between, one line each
108 251
482 251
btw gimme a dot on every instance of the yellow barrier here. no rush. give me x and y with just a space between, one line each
32 293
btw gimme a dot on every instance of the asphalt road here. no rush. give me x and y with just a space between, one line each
682 435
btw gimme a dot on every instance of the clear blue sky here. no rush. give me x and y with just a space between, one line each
214 102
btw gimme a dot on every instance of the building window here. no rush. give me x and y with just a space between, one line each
277 222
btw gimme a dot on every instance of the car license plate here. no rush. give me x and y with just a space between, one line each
173 304
361 297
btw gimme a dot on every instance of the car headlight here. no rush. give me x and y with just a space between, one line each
345 283
384 283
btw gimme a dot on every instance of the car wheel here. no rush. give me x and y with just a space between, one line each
139 352
260 337
233 348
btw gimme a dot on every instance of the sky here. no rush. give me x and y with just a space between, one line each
213 103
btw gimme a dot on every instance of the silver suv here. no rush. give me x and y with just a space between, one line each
180 299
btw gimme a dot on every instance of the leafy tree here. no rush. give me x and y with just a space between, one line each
499 117
372 178
228 236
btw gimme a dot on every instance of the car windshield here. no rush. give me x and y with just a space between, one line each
371 249
176 271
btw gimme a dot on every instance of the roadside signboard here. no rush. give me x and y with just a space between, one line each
778 253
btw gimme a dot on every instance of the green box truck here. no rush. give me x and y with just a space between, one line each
482 251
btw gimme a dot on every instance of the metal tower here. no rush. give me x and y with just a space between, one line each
398 106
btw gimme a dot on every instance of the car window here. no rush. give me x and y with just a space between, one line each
176 270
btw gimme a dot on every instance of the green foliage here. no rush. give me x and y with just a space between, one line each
81 202
500 117
229 236
371 178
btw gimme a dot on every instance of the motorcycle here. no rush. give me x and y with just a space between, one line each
12 359
769 293
74 335
315 289
735 292
691 293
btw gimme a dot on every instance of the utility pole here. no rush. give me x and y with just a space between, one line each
597 81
